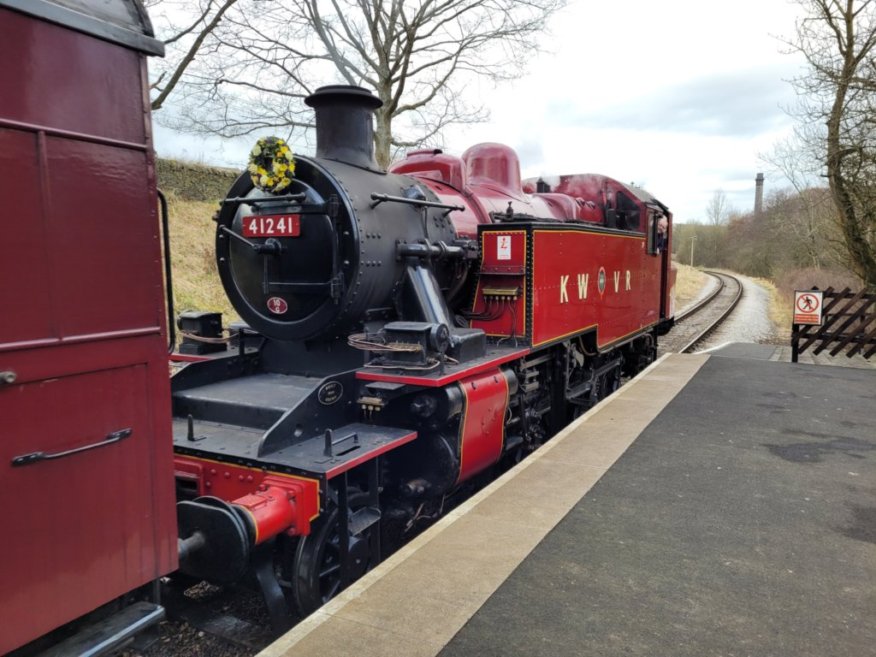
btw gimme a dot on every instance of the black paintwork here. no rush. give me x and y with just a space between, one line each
356 251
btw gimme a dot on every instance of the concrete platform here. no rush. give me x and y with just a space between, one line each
783 354
717 505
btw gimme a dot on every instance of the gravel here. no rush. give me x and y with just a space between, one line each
750 320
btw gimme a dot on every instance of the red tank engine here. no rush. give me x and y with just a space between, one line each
405 334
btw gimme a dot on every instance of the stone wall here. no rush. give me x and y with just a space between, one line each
194 182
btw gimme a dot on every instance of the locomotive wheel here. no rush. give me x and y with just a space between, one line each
610 382
606 384
316 576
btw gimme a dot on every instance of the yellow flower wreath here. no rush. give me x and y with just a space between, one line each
271 165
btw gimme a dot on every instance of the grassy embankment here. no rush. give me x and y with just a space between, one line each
688 283
196 284
782 290
193 194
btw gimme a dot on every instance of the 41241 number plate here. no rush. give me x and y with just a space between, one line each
272 225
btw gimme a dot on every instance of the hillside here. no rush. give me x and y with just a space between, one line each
193 192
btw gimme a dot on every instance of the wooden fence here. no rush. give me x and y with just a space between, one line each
849 322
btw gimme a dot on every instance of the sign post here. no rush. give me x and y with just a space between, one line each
808 307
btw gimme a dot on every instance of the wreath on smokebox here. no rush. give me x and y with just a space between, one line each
271 165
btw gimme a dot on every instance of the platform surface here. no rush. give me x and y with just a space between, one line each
718 505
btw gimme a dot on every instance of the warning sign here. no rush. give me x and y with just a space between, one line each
808 307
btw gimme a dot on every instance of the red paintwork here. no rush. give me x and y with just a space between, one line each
493 172
486 182
237 484
177 357
446 379
482 430
77 83
434 165
273 510
445 176
503 266
503 257
598 189
233 483
494 165
84 330
566 297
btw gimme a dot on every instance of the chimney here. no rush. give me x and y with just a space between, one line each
758 195
345 124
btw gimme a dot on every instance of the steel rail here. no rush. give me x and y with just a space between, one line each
702 303
702 335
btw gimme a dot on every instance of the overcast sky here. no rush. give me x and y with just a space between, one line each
679 96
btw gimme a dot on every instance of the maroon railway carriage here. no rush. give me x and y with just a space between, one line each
86 478
406 334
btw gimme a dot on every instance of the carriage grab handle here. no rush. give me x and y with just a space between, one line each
34 457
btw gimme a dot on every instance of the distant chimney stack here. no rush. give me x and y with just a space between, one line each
758 194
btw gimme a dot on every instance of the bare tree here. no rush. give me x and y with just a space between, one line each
718 210
837 38
809 217
418 56
183 42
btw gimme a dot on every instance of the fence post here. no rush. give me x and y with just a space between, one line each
795 342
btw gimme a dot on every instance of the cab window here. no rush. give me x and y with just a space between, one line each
629 215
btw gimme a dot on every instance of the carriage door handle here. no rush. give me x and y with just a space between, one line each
7 377
34 457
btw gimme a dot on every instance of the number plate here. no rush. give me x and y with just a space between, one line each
272 225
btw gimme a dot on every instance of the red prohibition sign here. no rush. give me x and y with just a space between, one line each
807 303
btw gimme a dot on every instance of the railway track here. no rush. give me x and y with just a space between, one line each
695 323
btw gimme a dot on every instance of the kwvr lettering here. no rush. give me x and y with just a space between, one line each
583 280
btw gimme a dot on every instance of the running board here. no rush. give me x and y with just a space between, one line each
111 633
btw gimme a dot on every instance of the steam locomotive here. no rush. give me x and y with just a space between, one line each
405 334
